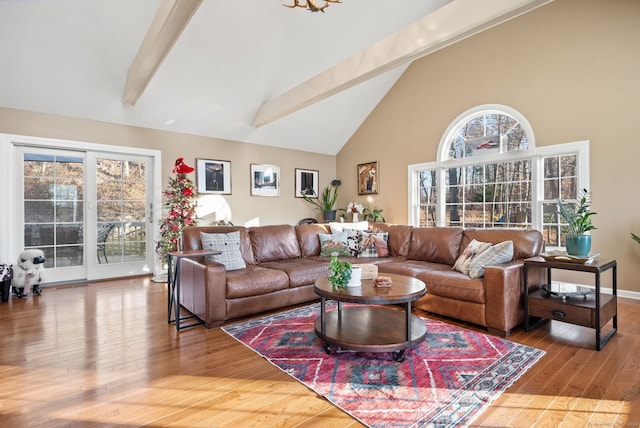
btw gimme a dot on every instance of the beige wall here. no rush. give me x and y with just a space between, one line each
243 207
572 68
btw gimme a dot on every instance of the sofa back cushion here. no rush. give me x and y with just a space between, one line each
191 239
399 237
526 242
435 244
271 243
308 238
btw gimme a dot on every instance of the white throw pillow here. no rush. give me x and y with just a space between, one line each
499 253
339 227
229 244
473 250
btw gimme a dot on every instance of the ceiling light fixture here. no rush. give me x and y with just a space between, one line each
311 5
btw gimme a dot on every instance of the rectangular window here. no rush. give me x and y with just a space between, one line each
559 182
502 194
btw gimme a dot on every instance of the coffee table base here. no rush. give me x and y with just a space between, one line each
370 329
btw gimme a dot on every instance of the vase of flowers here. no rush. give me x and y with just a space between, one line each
579 220
355 208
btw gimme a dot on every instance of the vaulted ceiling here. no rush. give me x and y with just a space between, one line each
243 70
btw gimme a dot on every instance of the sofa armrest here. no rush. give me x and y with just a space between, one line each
504 295
203 290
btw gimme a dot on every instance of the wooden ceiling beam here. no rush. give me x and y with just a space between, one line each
451 23
170 20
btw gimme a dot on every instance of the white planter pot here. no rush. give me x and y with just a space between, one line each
356 277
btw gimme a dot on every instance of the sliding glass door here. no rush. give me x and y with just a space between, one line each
89 212
120 211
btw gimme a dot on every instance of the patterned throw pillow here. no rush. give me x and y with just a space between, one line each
229 244
499 253
473 250
373 244
333 243
353 242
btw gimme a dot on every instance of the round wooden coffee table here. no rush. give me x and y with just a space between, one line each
371 328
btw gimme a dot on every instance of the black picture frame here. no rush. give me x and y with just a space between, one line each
213 176
307 183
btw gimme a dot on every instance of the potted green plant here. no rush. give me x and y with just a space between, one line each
372 214
579 221
339 272
326 201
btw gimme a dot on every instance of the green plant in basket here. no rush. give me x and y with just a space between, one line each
339 272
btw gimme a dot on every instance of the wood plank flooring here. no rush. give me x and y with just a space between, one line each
103 355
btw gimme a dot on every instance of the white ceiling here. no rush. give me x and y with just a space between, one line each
71 58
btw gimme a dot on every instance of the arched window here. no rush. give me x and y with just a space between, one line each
489 173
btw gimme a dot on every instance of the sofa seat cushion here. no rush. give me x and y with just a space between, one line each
453 284
301 271
411 268
255 280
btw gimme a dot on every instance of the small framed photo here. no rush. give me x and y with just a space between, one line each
265 180
214 176
306 183
368 178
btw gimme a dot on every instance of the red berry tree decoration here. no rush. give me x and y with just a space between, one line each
180 201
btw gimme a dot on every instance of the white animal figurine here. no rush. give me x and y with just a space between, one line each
28 273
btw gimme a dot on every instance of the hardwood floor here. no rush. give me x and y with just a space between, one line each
103 355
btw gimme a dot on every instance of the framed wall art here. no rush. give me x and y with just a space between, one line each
306 183
265 180
368 178
213 176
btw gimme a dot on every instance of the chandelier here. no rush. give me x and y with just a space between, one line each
311 5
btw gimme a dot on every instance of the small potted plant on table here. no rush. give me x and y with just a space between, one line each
579 220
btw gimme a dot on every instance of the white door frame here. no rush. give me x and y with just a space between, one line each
11 239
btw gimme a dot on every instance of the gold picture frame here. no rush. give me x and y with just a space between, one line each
368 178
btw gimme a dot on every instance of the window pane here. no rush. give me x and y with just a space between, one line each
38 235
38 211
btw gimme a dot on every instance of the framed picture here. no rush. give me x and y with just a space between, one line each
368 178
265 180
306 183
214 176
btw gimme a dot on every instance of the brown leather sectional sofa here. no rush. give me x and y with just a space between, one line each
283 262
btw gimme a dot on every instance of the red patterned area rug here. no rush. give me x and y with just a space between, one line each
446 381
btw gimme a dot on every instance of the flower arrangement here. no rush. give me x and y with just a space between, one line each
339 272
181 196
355 208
